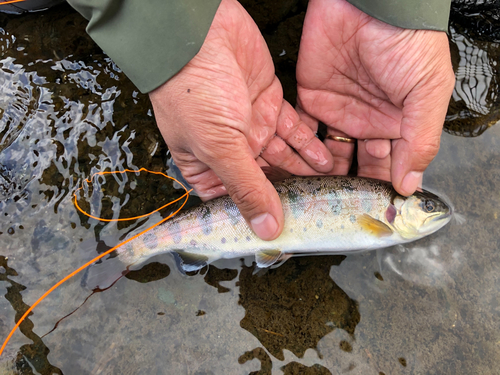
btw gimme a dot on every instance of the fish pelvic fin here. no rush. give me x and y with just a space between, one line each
266 258
190 262
374 226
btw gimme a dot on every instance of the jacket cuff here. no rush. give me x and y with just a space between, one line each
408 14
149 40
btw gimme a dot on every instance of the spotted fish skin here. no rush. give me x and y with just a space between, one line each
324 214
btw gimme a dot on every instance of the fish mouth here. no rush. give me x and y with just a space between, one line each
439 220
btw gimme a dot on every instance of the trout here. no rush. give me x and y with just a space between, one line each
328 214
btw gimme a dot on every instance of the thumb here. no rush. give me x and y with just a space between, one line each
421 128
249 188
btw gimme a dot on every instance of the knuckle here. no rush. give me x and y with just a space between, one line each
248 198
451 80
275 147
428 150
220 145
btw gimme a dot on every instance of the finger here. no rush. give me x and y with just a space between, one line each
201 178
409 163
207 185
301 138
278 154
423 118
378 148
379 166
373 118
308 120
342 152
247 185
261 162
265 110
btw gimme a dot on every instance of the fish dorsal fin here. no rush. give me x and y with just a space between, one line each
190 262
275 174
266 258
374 226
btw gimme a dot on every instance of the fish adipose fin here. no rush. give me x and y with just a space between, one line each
374 226
266 258
190 262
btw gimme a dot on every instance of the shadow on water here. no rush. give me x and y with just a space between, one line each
295 305
31 355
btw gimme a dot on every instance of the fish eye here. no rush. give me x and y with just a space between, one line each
429 206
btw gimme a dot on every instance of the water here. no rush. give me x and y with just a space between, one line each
431 307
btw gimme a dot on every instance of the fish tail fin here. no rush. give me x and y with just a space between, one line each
104 274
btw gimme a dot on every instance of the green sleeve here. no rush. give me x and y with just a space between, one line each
408 14
149 40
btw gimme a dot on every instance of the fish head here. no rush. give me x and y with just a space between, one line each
418 215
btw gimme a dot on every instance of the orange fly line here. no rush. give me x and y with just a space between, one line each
185 196
10 2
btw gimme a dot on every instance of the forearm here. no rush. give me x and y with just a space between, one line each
149 40
408 14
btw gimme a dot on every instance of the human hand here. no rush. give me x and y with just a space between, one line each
222 109
386 86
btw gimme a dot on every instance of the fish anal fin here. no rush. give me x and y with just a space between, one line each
266 258
374 226
190 262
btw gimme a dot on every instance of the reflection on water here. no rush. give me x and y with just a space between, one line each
66 112
474 42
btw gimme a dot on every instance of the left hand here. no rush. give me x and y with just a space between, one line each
386 86
222 109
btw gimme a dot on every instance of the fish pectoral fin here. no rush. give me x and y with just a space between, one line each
190 262
374 226
266 258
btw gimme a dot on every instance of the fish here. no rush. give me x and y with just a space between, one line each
323 215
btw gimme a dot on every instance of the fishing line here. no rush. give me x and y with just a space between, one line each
10 2
185 196
97 290
124 171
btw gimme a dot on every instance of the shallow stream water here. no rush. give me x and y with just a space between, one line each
66 112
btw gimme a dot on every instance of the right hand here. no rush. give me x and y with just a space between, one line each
223 109
386 86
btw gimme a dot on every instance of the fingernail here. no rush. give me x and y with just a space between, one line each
411 182
317 157
264 226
